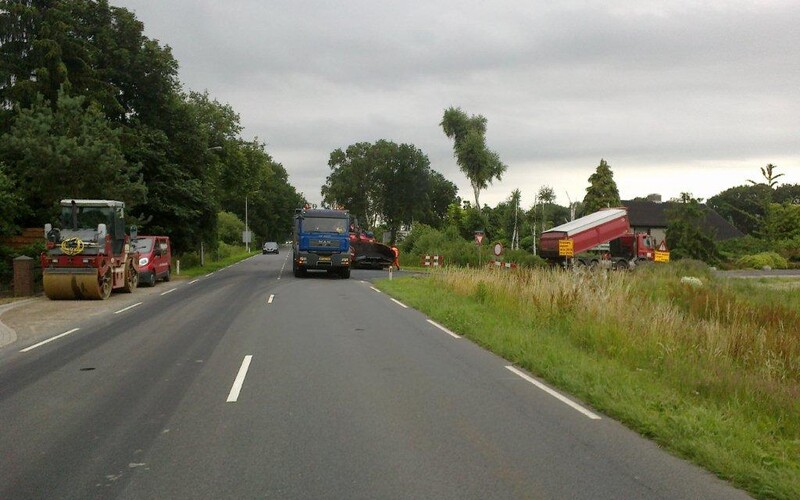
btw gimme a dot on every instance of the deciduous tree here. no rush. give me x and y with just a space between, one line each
480 164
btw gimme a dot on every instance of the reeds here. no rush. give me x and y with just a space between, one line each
713 340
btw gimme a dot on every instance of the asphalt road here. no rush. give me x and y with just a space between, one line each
252 383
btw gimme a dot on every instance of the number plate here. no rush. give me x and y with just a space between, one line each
324 259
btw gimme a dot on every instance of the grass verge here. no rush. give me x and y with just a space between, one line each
710 371
215 265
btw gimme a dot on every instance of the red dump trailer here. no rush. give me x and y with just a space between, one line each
610 226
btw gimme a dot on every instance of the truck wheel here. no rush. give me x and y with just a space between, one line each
168 276
621 265
345 273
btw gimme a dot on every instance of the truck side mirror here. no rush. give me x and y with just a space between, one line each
47 228
101 232
134 231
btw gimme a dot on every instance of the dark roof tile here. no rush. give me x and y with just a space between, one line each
653 215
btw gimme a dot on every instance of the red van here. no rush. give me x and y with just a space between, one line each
155 258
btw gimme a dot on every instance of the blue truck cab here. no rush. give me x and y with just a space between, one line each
321 241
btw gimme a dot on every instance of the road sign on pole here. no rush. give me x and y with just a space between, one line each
498 249
566 248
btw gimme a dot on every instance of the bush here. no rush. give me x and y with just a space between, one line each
224 251
790 249
760 260
229 227
524 258
735 248
190 259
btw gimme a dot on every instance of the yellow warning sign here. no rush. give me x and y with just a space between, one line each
661 256
565 248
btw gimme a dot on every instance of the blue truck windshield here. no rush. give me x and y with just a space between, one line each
324 225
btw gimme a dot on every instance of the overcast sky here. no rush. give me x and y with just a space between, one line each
674 96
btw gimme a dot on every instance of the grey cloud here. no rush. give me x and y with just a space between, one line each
656 84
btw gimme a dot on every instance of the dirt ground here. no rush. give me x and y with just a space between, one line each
26 321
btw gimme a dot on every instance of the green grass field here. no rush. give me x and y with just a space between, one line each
237 254
709 367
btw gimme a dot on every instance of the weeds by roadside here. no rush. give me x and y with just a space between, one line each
234 255
711 372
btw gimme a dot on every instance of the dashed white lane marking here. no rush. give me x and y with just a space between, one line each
376 289
169 291
128 308
270 299
207 275
555 394
400 304
193 281
233 396
34 346
285 260
445 330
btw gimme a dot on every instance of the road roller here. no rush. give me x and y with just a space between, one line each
90 254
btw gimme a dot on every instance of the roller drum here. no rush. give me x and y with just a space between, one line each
70 284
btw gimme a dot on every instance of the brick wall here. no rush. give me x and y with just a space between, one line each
28 237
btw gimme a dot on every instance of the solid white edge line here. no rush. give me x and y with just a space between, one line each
169 291
445 330
270 299
194 281
127 308
400 304
555 394
376 289
233 396
34 346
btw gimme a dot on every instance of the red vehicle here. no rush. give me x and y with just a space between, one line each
608 226
155 258
88 254
366 251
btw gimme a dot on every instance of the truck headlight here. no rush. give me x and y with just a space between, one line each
143 261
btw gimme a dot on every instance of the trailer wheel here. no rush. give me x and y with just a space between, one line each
621 265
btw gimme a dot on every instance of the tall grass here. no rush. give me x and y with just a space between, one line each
710 371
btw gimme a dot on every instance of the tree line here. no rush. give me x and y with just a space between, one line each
92 108
391 186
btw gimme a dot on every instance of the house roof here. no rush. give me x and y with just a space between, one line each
653 215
